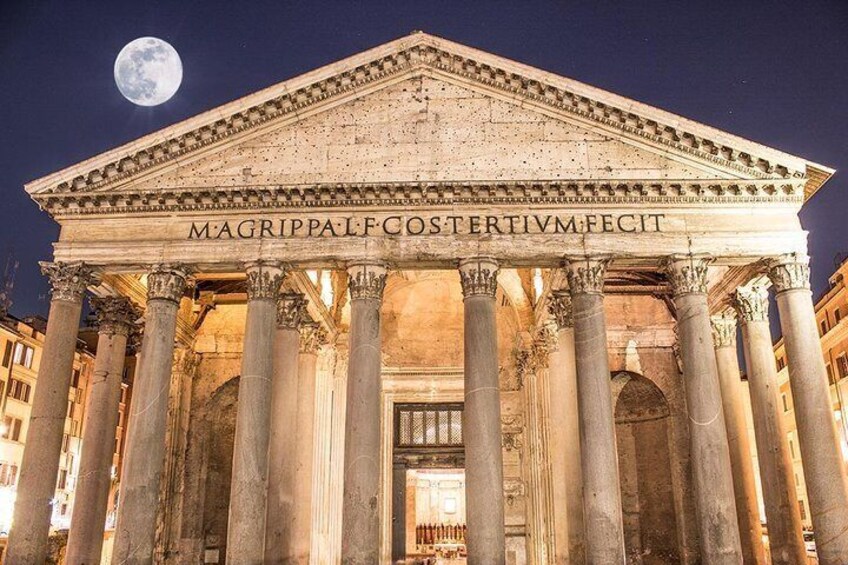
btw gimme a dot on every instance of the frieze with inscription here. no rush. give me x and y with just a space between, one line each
400 225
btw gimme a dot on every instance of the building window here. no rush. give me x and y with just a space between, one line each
823 327
12 428
842 366
75 378
66 443
63 479
23 355
837 316
803 509
785 402
7 354
8 474
792 448
19 390
781 363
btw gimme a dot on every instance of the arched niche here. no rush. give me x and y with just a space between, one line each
642 434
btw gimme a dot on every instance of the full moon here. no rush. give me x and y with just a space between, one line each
148 71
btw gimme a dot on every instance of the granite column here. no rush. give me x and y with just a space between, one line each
249 484
115 317
824 468
711 469
786 541
291 309
566 474
145 455
481 419
604 528
28 538
360 506
742 466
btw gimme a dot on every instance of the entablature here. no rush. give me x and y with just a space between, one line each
417 195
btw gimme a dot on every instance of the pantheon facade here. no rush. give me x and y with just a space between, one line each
429 259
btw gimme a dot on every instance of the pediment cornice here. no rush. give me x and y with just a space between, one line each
427 194
407 55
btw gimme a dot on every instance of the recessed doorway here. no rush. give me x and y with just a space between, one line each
428 490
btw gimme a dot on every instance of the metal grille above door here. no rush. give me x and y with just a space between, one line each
428 425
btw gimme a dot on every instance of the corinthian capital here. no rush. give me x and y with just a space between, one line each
167 282
264 279
724 331
790 272
547 338
478 276
312 337
366 281
560 309
586 274
751 304
687 273
68 281
291 310
116 315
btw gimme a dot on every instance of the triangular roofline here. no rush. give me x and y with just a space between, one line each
635 119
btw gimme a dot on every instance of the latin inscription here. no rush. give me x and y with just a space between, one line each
398 225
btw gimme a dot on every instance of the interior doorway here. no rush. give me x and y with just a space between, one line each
428 485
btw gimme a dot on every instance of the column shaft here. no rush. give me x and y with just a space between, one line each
249 485
361 507
566 474
786 542
741 462
145 454
824 468
711 469
311 339
280 504
481 420
603 524
28 539
91 497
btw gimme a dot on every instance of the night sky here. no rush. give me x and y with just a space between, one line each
773 71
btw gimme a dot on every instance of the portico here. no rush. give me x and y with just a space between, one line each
425 222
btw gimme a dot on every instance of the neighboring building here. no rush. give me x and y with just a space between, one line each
831 313
21 344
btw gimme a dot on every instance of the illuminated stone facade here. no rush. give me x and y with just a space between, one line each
463 229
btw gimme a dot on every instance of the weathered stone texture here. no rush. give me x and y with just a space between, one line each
427 128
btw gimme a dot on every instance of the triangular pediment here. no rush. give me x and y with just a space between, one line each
424 129
425 110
